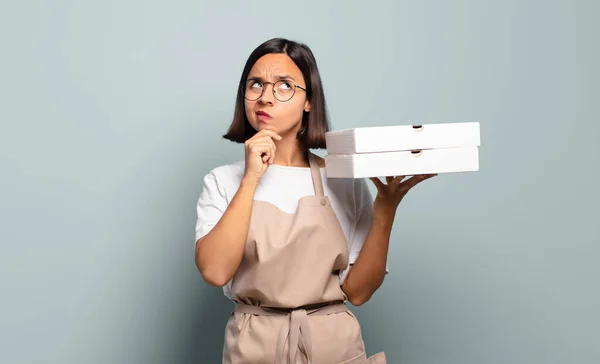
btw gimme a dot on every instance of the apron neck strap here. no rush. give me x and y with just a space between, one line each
316 174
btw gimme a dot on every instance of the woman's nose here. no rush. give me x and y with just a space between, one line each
267 96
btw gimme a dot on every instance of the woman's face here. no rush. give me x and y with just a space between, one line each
267 112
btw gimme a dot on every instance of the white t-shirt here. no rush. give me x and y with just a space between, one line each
283 186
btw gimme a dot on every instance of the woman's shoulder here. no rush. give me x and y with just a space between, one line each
229 168
226 175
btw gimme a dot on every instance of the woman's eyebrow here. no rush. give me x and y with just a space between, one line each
278 77
285 77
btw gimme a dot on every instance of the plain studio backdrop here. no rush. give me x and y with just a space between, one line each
112 112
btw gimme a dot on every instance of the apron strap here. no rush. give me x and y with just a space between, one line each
316 175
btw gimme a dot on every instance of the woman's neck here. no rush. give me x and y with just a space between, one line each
290 154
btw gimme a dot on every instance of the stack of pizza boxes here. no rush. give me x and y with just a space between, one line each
403 150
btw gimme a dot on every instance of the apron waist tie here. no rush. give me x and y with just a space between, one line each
298 331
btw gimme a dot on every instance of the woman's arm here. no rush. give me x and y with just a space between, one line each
219 253
368 271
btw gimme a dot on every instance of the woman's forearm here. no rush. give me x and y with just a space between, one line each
368 271
219 253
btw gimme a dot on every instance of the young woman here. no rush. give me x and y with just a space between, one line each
289 246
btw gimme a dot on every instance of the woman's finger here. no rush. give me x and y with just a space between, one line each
264 150
396 181
264 140
377 182
269 133
415 180
260 148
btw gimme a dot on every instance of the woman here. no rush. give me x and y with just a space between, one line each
289 246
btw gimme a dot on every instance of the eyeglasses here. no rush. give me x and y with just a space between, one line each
283 90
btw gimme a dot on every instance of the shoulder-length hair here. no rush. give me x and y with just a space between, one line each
315 123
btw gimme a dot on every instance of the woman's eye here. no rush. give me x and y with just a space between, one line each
286 86
256 84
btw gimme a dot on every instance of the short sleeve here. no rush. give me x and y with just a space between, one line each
363 220
211 206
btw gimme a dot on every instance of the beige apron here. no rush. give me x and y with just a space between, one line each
290 308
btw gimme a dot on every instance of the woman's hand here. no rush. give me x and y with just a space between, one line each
260 152
389 195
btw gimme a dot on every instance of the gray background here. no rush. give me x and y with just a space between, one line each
112 113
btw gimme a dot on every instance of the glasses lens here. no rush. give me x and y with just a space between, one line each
253 90
284 90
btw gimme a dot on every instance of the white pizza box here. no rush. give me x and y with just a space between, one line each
402 137
402 163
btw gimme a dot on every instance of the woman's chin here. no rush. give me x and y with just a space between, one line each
262 126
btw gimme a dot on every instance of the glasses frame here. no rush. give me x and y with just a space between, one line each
265 83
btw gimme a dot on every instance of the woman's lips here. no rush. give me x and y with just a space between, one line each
263 116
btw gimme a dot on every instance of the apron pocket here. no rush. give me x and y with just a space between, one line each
360 359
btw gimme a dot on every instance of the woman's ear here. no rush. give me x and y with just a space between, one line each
307 106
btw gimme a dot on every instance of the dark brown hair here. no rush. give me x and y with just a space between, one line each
315 123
